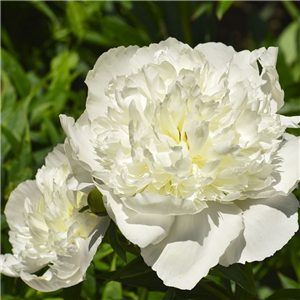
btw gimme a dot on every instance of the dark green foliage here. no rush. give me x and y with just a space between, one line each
47 50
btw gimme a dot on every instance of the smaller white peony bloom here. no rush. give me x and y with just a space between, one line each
192 158
47 229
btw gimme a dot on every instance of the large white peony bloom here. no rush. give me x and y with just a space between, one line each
191 157
47 229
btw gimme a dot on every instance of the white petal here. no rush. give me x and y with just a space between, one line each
269 225
57 157
269 57
217 54
141 229
10 265
162 204
15 206
79 149
69 270
111 64
167 50
289 168
194 245
290 122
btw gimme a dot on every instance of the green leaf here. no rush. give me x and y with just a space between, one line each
136 273
15 129
288 42
119 32
292 9
14 141
202 9
52 131
16 73
170 294
206 290
73 292
288 294
3 222
76 16
39 112
8 95
288 283
112 290
112 233
222 8
6 42
237 274
45 9
185 17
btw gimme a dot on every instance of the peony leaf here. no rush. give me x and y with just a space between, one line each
288 42
292 9
287 282
239 275
16 73
73 293
112 290
202 8
12 139
288 294
222 7
46 10
52 131
113 238
138 274
170 294
76 16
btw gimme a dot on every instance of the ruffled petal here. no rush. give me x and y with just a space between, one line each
78 148
217 54
269 225
10 265
290 122
69 270
194 245
111 64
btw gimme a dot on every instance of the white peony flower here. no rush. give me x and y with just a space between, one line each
47 229
190 155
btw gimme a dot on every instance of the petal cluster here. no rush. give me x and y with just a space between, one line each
47 231
189 152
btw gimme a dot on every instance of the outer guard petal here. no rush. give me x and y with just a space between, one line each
194 245
269 224
141 229
162 204
15 206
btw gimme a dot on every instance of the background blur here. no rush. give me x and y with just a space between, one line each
47 50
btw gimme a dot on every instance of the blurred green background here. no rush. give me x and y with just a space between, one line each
47 50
